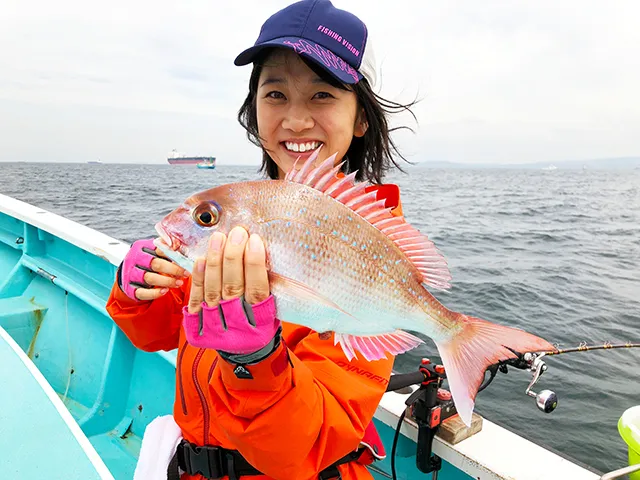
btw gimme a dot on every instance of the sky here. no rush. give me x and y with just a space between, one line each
498 81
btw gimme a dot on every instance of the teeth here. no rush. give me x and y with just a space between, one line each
302 147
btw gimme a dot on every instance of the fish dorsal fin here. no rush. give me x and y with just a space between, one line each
421 251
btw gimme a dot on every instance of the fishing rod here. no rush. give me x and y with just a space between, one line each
546 400
583 347
430 405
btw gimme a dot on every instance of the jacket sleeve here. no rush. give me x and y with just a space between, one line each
305 407
149 325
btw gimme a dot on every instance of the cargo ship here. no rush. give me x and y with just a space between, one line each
176 158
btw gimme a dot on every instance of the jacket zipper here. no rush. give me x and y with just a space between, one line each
180 386
203 400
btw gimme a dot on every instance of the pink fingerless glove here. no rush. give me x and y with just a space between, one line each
135 264
241 329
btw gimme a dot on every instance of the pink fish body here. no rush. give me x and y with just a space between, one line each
339 261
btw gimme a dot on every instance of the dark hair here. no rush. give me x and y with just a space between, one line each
371 155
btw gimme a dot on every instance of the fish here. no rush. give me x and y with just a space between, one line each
340 261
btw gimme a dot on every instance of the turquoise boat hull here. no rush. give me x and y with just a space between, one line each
72 379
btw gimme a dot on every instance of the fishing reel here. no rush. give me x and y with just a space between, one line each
546 400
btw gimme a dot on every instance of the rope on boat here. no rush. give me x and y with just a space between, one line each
66 314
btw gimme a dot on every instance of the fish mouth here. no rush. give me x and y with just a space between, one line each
171 241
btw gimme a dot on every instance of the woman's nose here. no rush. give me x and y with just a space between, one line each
297 119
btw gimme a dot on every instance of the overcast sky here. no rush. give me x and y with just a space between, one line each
499 81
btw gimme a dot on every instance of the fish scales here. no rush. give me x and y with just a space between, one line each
317 240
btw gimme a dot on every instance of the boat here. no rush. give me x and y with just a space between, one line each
550 167
210 164
95 162
77 395
176 158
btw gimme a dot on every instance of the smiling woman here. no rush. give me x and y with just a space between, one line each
275 396
295 105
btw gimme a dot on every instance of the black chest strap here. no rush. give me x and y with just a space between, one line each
214 463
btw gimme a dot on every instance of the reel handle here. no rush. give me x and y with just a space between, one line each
546 400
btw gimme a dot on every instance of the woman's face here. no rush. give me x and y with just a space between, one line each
298 112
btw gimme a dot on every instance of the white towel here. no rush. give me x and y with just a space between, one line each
159 443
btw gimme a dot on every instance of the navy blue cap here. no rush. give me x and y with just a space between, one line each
334 39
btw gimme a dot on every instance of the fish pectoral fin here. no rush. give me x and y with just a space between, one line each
375 347
303 292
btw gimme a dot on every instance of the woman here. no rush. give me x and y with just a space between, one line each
274 400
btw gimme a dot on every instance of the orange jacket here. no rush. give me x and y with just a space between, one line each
305 408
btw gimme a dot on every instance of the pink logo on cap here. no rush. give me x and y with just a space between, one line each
327 57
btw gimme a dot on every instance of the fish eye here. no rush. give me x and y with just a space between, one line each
206 215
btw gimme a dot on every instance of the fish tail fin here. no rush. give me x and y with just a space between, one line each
480 344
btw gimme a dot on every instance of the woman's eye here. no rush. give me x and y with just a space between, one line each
323 95
275 95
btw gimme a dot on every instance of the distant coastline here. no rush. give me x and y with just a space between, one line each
620 163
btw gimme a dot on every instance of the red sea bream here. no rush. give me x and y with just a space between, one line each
340 262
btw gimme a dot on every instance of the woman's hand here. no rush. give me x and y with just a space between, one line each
146 274
230 307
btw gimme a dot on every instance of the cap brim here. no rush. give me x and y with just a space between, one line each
321 56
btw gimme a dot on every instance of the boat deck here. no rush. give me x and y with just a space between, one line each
52 298
49 439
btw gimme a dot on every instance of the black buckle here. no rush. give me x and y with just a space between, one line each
206 461
330 473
